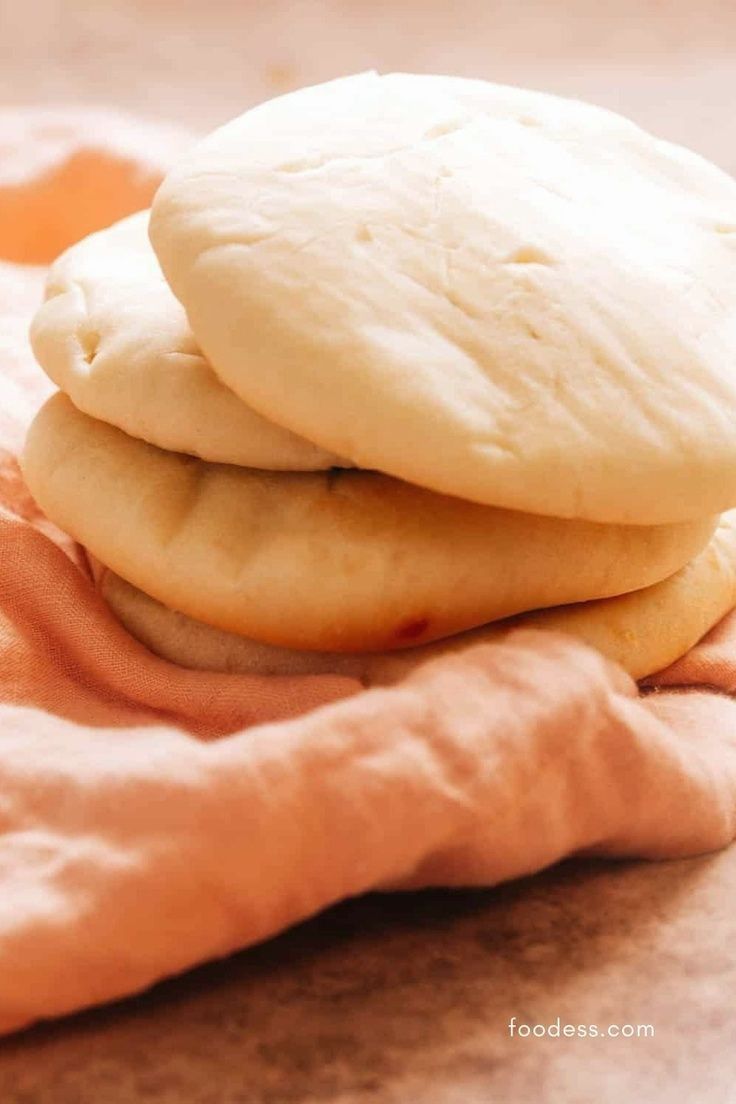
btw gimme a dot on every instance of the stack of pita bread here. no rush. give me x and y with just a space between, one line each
391 361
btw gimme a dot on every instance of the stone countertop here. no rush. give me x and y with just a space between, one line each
406 999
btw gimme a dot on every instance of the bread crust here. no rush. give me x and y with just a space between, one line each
352 561
644 631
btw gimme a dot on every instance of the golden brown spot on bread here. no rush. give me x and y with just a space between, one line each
529 254
411 630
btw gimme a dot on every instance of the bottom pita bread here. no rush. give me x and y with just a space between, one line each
349 561
643 631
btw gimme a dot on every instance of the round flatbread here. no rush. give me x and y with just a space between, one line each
644 631
497 294
114 338
339 561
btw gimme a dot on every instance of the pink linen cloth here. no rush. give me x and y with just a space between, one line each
153 817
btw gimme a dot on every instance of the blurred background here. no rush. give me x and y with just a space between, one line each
668 63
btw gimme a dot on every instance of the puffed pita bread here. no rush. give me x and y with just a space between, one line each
349 561
65 172
644 631
517 299
114 338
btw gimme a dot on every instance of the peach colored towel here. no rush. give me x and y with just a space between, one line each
152 817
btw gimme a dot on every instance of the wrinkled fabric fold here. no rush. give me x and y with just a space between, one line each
153 818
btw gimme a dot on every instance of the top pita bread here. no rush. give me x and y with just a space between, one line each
113 337
497 294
